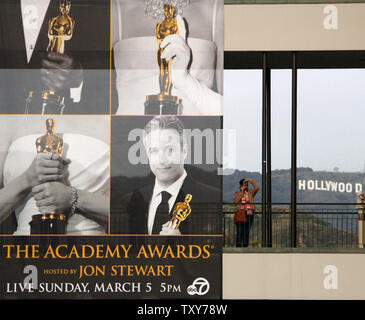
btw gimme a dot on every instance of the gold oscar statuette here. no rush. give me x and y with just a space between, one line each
60 29
180 213
50 142
164 102
49 222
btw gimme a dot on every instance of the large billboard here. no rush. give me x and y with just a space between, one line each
108 110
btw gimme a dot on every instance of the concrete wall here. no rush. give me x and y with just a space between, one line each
293 27
293 276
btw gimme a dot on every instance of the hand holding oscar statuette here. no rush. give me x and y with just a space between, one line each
56 71
164 102
181 211
49 222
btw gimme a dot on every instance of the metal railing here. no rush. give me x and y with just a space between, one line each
317 227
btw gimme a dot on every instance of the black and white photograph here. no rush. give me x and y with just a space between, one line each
55 57
168 56
54 169
164 175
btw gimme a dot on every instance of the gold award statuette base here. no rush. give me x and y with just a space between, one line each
49 222
49 102
60 29
164 102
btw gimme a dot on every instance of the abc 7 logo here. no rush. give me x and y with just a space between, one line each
199 287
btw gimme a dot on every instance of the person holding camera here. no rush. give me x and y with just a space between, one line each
244 211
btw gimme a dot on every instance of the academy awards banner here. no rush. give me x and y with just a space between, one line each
111 120
108 267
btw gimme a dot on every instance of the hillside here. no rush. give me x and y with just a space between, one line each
313 186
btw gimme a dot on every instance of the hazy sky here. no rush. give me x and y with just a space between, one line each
331 118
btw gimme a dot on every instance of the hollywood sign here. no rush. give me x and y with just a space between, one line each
332 186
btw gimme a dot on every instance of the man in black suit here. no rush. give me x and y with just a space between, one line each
81 74
149 208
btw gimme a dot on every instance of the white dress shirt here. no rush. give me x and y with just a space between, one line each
173 189
33 13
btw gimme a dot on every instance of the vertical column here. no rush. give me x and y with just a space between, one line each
268 156
264 147
361 218
293 205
